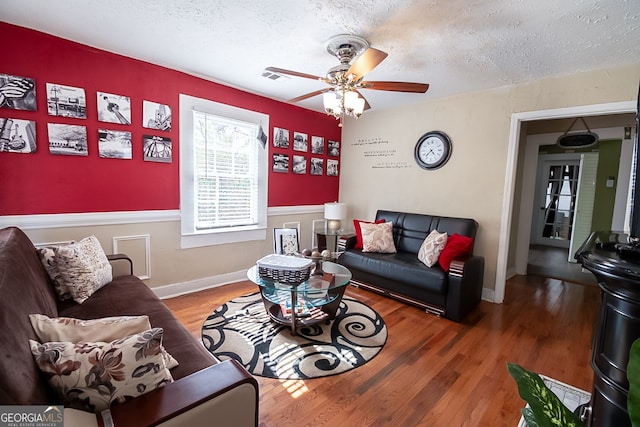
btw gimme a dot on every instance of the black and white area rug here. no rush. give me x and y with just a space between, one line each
242 330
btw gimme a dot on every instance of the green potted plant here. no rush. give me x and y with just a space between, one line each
546 409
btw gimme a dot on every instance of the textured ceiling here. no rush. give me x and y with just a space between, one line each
454 45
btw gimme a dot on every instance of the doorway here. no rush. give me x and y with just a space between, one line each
515 223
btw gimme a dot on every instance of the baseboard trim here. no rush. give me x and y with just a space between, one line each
177 289
488 295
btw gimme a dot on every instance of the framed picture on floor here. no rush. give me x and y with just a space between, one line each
285 241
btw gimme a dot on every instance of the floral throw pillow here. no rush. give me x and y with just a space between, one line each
378 238
104 329
84 267
48 258
92 375
431 247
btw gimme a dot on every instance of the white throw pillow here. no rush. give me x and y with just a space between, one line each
105 329
378 238
431 248
92 375
84 267
48 258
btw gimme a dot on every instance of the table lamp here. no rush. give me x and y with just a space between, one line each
334 213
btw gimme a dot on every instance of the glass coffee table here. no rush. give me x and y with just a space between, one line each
308 303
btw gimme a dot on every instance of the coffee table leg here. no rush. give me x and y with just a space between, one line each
294 298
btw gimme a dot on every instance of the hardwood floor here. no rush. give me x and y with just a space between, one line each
434 372
548 261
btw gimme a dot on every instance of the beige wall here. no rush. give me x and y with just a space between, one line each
472 183
178 270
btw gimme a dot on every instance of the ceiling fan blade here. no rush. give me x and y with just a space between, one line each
366 103
396 86
294 73
311 94
366 62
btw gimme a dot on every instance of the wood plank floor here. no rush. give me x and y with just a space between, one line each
434 372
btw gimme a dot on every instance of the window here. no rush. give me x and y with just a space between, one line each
223 173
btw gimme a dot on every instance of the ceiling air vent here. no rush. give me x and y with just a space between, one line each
272 76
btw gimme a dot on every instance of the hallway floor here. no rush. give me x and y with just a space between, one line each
552 262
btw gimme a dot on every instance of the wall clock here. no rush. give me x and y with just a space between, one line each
433 150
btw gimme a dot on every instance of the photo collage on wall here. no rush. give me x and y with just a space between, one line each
69 102
315 148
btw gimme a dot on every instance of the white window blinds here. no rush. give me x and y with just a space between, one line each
226 172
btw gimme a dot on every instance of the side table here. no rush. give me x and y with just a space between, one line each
329 239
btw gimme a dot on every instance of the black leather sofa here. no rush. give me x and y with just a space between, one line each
403 276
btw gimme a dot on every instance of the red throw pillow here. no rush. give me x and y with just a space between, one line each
356 226
456 246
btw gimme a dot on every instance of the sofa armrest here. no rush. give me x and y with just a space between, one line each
350 242
122 265
224 394
465 286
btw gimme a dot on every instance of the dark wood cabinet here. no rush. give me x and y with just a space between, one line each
617 325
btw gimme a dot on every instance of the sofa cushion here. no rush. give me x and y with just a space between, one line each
92 375
129 296
410 229
397 267
431 248
84 267
456 246
356 227
104 329
377 238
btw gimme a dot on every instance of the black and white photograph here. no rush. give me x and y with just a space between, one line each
17 93
333 148
114 108
332 167
66 101
285 241
317 165
156 116
156 149
280 137
17 136
317 145
114 144
299 165
70 140
281 163
300 141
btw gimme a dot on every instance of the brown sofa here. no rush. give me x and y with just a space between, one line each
205 391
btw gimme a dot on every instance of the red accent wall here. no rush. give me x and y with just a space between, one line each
43 183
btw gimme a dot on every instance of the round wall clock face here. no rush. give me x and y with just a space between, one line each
433 150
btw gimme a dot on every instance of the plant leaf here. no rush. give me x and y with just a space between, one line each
546 407
633 375
529 417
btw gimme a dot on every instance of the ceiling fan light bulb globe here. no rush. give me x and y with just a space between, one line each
350 99
359 107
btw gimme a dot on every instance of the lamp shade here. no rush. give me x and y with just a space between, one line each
335 210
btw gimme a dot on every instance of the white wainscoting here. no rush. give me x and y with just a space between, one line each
138 248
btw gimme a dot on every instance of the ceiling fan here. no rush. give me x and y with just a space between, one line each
342 96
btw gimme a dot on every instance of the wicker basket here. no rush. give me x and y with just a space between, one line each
284 269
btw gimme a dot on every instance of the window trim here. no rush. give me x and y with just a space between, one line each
190 237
